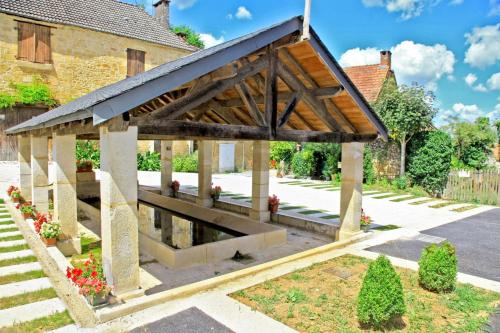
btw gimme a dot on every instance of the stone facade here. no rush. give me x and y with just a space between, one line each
83 59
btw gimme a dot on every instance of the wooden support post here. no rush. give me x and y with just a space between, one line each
271 95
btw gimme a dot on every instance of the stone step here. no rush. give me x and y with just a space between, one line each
19 269
21 287
7 226
12 243
16 254
29 312
73 328
10 233
5 219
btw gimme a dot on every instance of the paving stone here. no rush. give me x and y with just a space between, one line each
5 219
21 287
29 312
10 233
16 254
7 226
21 268
12 243
192 320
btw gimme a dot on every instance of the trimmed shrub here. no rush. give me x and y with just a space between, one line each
401 183
429 160
381 297
186 163
303 164
148 161
438 268
88 150
282 151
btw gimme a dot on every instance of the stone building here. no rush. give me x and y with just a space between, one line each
371 80
79 46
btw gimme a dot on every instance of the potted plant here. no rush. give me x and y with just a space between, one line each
27 210
215 192
15 195
83 166
365 221
175 187
50 232
90 281
40 220
10 189
274 203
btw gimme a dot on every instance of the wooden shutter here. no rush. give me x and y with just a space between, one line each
42 46
135 62
26 41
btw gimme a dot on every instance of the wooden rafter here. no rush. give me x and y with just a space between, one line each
271 95
290 107
250 103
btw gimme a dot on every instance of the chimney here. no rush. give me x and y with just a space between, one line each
385 58
162 12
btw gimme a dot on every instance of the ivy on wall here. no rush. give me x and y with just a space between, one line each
32 93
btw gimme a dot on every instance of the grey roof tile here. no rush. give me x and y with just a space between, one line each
109 16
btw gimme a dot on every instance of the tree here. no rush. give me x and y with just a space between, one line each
191 36
473 142
405 111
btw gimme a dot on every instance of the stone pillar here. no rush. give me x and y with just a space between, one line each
166 167
40 173
65 211
260 182
119 216
24 159
351 190
204 173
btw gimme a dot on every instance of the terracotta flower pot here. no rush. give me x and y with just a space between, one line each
27 215
15 200
273 209
49 241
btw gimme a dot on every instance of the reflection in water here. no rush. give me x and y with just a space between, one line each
182 232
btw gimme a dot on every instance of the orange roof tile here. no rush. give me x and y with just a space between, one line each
369 79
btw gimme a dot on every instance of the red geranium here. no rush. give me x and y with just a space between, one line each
40 220
90 280
10 189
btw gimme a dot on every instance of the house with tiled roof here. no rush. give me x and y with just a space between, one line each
77 46
371 81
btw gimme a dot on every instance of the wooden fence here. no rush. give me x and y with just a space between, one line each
474 186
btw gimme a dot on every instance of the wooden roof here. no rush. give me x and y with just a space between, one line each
268 85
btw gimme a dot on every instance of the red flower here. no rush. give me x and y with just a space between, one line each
94 274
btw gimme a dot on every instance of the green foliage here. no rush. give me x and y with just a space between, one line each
186 163
282 151
36 92
381 297
473 142
303 164
148 161
401 183
88 150
326 157
368 171
429 160
192 37
438 268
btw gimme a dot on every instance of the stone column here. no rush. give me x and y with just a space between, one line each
40 173
24 159
204 173
260 182
65 211
166 167
351 190
119 216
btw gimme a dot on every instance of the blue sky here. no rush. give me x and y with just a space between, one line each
450 46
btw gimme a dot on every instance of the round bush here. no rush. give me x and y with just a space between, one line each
303 164
281 151
438 268
381 297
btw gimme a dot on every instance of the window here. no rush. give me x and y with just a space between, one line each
34 43
135 62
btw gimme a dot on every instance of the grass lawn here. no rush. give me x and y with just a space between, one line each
8 230
14 248
17 261
6 222
21 277
11 238
89 244
26 298
323 298
406 198
387 227
42 324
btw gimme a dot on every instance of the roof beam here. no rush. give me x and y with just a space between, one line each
290 58
190 101
250 103
181 130
316 106
271 93
289 110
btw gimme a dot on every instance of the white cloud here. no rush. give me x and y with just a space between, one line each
495 114
480 87
412 62
470 79
494 8
484 49
209 40
459 112
373 3
243 13
494 82
456 2
183 4
406 8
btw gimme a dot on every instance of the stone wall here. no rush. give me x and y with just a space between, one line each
83 59
386 158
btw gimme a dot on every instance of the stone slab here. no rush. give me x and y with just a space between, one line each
192 320
12 243
31 311
16 254
7 226
17 288
10 233
22 268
